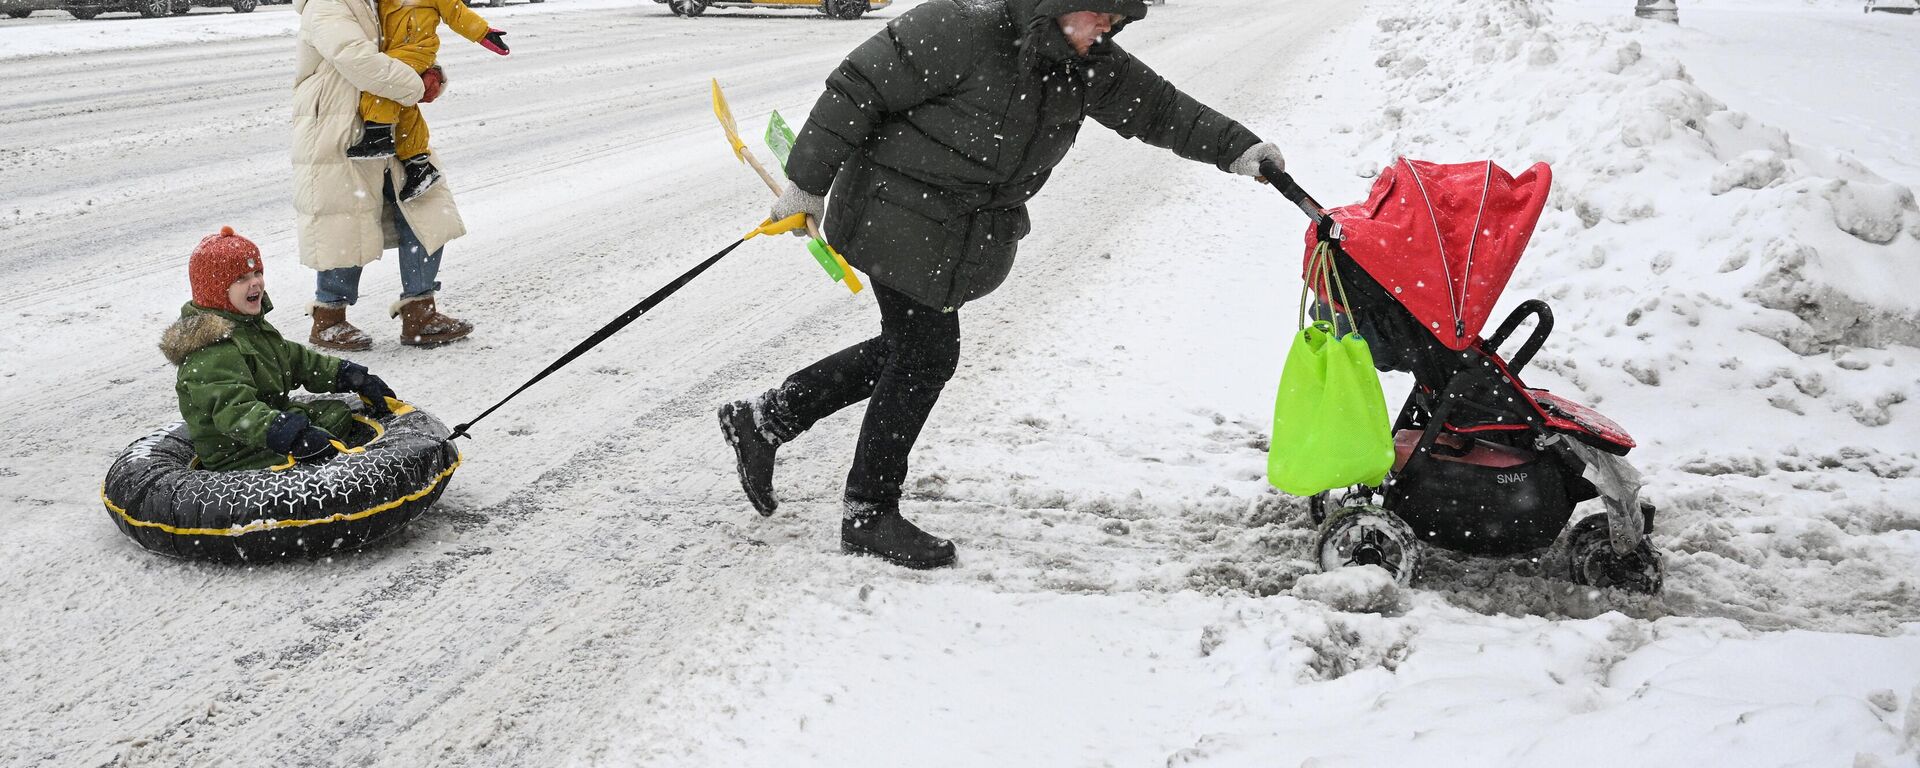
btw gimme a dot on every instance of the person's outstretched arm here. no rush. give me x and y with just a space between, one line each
1136 102
470 25
309 369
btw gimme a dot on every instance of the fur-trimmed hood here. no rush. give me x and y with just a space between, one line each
192 333
199 328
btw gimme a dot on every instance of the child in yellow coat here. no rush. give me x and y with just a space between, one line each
409 31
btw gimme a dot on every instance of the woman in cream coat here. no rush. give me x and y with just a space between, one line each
346 208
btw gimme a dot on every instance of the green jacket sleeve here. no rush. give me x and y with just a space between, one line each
1137 103
924 53
216 381
311 370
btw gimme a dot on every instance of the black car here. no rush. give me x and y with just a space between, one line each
839 9
19 9
87 9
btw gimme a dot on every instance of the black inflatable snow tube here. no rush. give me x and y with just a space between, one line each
159 497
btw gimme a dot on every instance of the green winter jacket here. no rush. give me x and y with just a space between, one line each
934 133
235 373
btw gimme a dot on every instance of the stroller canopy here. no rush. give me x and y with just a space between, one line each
1443 239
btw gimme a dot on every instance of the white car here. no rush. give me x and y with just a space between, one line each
1892 6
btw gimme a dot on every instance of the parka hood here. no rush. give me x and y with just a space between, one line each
1042 38
1134 10
199 328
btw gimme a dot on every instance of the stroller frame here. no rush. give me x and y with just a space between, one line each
1485 465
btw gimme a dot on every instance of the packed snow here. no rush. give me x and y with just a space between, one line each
1727 249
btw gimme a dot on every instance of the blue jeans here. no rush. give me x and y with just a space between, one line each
419 270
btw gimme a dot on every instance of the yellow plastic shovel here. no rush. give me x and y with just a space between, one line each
829 259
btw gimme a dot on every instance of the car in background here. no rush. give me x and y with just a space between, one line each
838 9
1908 7
87 9
19 9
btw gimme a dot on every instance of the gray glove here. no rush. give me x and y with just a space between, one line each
1249 162
797 200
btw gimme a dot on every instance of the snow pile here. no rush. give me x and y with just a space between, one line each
1635 143
1740 301
1357 589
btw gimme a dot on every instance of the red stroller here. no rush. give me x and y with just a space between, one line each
1484 464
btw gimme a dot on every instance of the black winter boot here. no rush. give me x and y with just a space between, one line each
879 530
421 176
753 448
376 141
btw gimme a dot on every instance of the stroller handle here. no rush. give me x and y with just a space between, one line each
1281 180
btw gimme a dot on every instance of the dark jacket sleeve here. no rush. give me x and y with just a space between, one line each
215 381
1137 103
919 56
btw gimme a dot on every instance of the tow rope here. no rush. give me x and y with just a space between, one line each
607 331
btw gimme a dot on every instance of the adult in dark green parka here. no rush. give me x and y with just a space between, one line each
235 369
930 139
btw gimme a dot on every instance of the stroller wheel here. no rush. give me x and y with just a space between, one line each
1593 562
1317 507
1369 535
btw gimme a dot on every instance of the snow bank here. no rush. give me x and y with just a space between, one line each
1128 594
1637 146
1742 302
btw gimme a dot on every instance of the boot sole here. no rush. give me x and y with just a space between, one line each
733 441
424 189
855 549
340 347
432 342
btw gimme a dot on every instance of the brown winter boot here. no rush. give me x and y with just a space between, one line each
422 325
332 331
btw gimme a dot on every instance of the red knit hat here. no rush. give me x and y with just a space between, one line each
217 261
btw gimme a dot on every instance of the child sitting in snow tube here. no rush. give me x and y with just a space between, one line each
252 474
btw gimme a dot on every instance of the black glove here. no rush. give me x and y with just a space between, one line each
292 434
353 377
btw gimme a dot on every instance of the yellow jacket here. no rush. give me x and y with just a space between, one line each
410 29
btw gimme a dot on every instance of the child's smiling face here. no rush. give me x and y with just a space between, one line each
246 292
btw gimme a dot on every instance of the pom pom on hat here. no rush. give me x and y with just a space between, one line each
217 261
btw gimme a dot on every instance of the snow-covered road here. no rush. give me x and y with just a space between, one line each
594 544
592 590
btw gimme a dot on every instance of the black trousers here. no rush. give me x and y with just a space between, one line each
899 373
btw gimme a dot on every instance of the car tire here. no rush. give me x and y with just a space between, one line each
84 13
845 10
18 14
245 6
687 8
155 8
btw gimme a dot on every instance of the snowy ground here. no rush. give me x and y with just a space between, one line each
1727 250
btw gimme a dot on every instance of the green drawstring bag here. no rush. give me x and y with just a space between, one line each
1329 418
